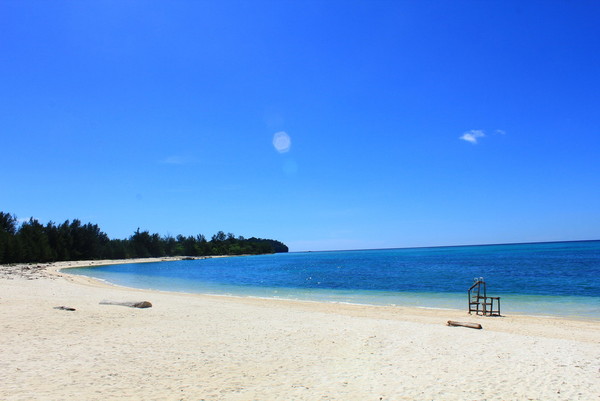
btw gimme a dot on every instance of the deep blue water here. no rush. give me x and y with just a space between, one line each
545 278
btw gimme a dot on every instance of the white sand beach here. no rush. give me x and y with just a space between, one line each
195 347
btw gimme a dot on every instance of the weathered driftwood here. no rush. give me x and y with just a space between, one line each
465 324
139 304
64 308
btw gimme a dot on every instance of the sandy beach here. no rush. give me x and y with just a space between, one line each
198 347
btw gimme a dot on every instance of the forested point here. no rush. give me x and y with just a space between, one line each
32 241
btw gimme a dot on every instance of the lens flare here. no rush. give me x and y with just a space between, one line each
282 142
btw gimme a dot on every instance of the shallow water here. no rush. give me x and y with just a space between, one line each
556 279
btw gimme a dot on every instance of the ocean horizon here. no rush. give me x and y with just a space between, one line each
542 278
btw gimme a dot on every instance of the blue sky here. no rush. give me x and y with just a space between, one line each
326 125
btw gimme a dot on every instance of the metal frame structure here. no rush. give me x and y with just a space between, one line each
479 302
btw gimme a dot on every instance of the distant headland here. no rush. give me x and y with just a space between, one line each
33 242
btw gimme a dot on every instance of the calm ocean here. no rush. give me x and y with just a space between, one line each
554 279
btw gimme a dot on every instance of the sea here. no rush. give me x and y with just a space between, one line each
542 279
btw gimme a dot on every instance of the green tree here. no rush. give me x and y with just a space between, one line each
141 243
8 243
34 241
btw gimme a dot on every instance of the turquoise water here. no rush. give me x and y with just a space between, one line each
556 279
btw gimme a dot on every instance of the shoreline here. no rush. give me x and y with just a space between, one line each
54 270
57 266
413 313
213 347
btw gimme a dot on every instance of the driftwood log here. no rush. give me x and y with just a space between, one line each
64 308
465 324
139 304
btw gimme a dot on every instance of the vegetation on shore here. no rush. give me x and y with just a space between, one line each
32 241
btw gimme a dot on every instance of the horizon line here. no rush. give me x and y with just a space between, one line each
451 246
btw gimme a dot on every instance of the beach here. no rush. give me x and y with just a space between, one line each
200 347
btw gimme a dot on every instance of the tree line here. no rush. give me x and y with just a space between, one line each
32 241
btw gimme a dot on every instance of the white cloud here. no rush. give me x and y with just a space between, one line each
500 132
472 136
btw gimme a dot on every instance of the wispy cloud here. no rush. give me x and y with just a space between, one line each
472 136
500 132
